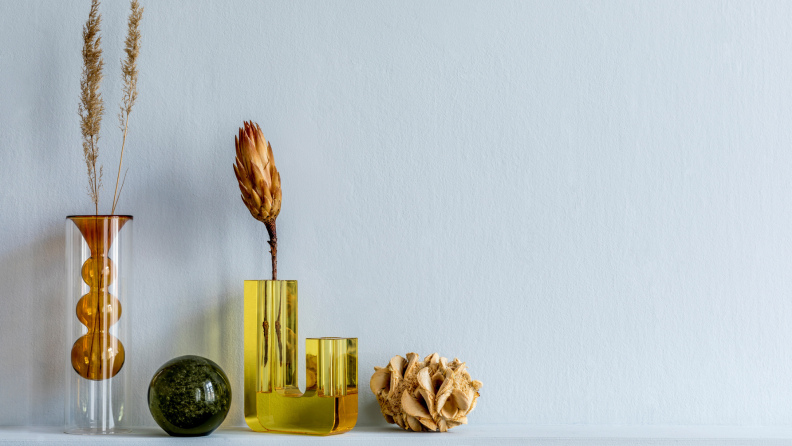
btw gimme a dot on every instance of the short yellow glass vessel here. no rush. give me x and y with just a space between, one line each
273 400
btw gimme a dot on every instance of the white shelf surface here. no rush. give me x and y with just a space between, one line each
463 435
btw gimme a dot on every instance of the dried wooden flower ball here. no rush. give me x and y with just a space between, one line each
427 395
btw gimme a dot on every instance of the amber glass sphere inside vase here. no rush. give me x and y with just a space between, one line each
97 356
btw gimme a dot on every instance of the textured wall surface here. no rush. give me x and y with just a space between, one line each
589 202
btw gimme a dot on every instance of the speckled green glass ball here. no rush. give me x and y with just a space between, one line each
189 396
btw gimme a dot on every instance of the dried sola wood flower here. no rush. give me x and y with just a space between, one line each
429 395
259 182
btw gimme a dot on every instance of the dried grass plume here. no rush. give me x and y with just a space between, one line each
129 73
91 105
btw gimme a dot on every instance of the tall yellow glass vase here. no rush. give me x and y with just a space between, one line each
273 400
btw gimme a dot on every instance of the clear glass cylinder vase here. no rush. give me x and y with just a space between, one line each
98 278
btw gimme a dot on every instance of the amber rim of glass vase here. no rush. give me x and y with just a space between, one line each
99 216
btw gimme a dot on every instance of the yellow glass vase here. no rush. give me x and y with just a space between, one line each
273 400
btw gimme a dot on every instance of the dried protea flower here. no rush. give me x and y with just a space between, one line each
428 395
259 182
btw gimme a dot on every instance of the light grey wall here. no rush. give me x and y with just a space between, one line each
589 202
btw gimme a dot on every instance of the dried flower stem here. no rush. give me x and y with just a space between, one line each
273 242
91 105
130 75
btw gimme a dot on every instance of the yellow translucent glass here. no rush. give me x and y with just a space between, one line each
273 400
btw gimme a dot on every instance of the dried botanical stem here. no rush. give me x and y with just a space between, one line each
273 242
116 194
278 331
130 75
122 187
91 105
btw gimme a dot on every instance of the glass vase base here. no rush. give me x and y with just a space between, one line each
97 431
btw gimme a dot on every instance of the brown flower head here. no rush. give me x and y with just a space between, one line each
259 180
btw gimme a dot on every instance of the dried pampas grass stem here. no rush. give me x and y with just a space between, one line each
129 73
91 105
